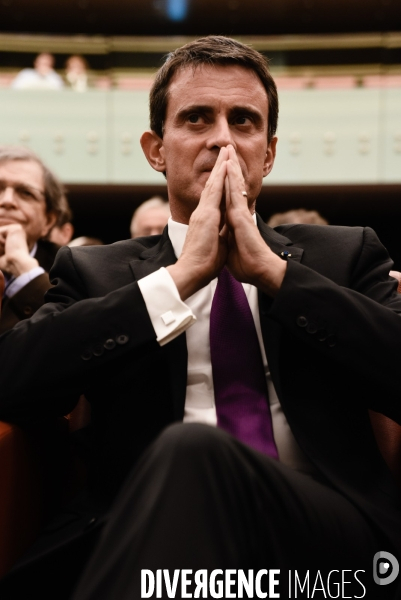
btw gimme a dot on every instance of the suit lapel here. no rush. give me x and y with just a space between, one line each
153 258
149 261
271 330
280 244
46 253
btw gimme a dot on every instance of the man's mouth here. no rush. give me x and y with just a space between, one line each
7 221
208 166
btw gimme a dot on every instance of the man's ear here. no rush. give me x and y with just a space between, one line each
51 219
270 156
153 149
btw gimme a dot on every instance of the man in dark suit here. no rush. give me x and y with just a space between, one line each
31 199
128 325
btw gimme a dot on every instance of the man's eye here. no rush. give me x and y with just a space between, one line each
242 120
194 118
26 194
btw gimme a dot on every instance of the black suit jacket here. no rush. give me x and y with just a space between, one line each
31 297
332 337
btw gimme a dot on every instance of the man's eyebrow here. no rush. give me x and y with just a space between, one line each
194 108
246 110
207 109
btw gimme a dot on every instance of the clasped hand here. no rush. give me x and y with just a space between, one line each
222 232
14 251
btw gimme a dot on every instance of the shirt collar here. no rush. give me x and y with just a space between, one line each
177 232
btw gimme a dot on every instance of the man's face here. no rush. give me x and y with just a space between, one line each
22 198
208 108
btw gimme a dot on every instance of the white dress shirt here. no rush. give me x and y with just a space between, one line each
171 316
31 79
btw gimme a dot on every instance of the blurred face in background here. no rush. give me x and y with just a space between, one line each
44 63
151 221
22 199
76 65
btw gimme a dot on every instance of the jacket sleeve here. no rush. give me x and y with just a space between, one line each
358 326
25 302
48 360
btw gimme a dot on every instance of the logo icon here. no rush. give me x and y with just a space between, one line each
385 568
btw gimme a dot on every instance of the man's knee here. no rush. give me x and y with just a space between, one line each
191 439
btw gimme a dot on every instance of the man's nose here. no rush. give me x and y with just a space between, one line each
8 197
221 134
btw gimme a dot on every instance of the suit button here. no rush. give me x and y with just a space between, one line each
27 310
311 327
322 335
86 355
302 321
331 341
109 344
122 339
98 350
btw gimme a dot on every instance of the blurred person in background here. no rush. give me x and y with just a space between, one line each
85 240
300 215
31 200
150 218
41 77
76 73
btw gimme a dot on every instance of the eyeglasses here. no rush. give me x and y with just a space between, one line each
24 193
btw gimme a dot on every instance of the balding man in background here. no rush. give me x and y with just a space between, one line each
150 218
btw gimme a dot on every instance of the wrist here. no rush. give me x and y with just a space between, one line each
271 281
20 265
184 282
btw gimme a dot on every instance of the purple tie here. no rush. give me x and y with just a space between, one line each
240 389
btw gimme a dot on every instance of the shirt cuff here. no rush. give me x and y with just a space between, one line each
22 280
170 316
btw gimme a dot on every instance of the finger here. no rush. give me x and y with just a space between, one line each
11 227
227 189
218 168
233 157
236 176
224 233
212 194
237 186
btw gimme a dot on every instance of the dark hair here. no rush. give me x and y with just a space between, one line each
210 50
56 201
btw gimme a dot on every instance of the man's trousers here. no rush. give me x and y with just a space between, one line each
202 501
